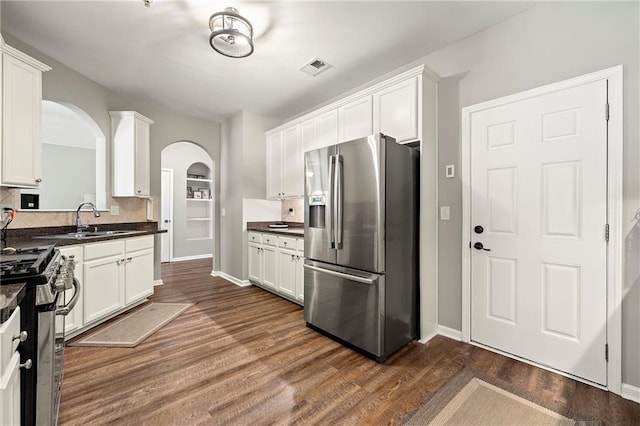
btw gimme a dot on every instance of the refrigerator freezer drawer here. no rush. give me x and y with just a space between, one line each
346 304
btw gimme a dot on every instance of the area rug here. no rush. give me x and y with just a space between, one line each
131 330
467 399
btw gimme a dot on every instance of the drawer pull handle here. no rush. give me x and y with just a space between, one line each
22 336
27 364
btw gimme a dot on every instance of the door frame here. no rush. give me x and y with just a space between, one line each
614 207
170 230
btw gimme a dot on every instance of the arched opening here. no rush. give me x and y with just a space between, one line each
73 161
187 202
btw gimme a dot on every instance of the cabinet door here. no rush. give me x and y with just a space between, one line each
300 277
21 121
287 276
274 166
292 162
255 262
10 393
327 129
103 287
396 111
138 275
355 119
269 266
308 135
142 166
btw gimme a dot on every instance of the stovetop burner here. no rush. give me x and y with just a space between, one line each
24 263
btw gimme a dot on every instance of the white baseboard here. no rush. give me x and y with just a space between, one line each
631 392
236 281
450 333
428 337
195 257
158 282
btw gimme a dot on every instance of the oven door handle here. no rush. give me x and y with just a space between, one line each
64 310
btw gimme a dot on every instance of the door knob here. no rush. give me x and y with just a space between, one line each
480 246
478 229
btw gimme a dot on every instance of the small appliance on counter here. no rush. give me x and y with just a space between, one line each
361 212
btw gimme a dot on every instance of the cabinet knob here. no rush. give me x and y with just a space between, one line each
38 180
27 364
139 191
22 336
284 242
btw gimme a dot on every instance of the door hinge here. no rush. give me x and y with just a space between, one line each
606 111
606 233
606 352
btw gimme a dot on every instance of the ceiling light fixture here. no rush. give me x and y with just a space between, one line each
231 34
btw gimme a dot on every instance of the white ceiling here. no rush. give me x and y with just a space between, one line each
160 56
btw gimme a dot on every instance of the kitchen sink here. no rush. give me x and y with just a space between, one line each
88 235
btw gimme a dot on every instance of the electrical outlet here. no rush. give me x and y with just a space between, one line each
292 212
115 210
223 212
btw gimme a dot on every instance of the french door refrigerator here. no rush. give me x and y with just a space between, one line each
361 244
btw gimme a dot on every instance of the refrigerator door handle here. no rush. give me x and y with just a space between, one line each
339 201
332 201
355 278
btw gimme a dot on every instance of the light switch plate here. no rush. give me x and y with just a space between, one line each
223 212
449 171
445 213
115 210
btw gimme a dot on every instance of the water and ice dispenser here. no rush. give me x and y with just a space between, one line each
317 205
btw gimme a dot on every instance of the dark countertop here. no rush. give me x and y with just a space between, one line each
24 237
10 296
295 229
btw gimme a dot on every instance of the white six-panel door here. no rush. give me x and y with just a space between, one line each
539 191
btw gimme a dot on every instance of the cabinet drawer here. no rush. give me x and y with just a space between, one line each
270 240
300 244
287 243
8 330
139 243
98 250
254 237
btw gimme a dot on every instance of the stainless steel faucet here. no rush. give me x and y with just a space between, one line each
79 226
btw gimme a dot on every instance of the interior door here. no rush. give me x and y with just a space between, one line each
538 215
166 219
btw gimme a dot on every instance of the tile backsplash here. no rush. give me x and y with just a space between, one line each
297 204
131 210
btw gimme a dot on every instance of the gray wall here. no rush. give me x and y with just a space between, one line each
62 84
545 44
243 172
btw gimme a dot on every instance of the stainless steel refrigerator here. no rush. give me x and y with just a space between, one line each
361 244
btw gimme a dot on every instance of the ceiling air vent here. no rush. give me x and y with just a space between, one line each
314 66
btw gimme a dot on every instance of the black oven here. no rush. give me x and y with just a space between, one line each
47 274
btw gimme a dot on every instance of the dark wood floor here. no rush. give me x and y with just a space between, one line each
244 356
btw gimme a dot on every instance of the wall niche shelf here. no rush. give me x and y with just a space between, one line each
199 202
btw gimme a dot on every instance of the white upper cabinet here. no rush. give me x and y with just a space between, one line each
285 164
292 161
327 129
395 111
21 95
355 119
274 166
131 167
320 131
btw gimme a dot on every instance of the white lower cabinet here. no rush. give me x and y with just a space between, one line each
10 370
275 263
113 276
138 269
103 279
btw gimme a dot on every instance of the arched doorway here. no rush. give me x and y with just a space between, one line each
187 202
